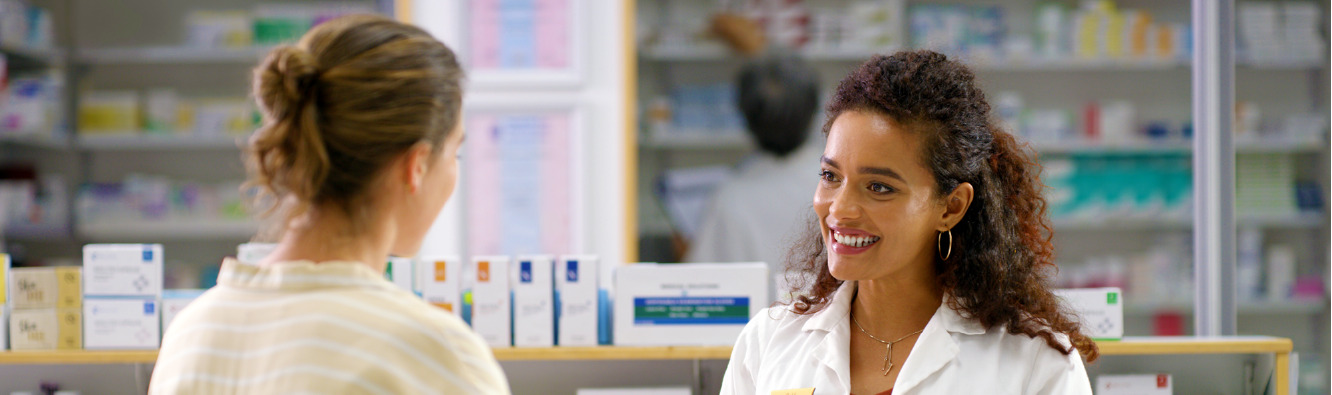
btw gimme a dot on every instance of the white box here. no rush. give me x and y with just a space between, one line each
438 279
687 304
252 253
636 391
175 300
121 324
1134 384
533 301
399 271
122 270
1101 310
491 311
576 296
4 327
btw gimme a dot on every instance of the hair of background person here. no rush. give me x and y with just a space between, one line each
338 106
1002 264
778 94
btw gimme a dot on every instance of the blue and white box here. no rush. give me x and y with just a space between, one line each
122 270
1101 310
400 271
576 296
438 281
705 304
121 324
491 308
533 301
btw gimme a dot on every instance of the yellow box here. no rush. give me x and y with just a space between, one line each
71 329
33 329
34 288
4 280
69 287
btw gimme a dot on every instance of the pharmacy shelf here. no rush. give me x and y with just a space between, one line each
77 357
172 55
1175 345
731 142
153 231
143 141
1181 147
611 353
1302 220
36 232
1293 307
35 140
28 57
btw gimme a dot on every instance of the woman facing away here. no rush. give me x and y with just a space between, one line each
929 268
359 153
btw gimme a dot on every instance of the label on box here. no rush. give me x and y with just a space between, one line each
399 271
1101 310
1134 384
33 329
122 270
576 287
71 329
125 324
34 288
438 281
686 304
252 253
491 309
533 302
69 287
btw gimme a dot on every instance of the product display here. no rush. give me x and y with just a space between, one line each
439 279
687 304
34 329
491 306
533 301
121 324
34 288
400 271
577 303
1134 384
1101 310
129 270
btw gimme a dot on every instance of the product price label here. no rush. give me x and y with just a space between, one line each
691 311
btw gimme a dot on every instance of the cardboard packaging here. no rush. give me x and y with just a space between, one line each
399 271
34 329
122 270
69 287
34 288
252 253
687 304
438 281
70 334
121 324
175 300
533 301
4 281
1101 310
1134 384
491 309
577 307
4 327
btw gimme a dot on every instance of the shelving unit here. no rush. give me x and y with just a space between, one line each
167 230
141 141
171 55
24 57
1302 220
1290 307
35 140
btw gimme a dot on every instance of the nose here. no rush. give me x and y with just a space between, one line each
843 206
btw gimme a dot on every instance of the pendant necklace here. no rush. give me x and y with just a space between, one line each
887 357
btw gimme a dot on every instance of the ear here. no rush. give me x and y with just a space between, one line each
416 161
955 206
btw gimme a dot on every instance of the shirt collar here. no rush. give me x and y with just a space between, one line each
839 308
300 275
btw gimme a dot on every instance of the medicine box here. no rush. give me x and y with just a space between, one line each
69 287
121 324
34 288
687 304
399 271
175 300
576 309
122 270
438 281
533 301
491 313
4 327
1135 384
1101 310
34 329
252 253
71 329
4 282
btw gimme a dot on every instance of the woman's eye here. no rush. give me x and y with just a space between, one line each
827 176
880 188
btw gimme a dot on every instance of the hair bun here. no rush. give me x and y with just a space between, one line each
284 79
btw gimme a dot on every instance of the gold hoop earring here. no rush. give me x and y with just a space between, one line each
939 244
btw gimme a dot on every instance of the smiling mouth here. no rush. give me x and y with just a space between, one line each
855 241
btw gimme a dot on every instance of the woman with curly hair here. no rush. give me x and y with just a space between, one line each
929 268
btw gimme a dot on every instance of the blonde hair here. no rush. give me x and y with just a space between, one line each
352 95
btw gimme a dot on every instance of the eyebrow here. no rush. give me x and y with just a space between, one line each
882 171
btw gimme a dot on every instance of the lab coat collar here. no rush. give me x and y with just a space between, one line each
839 309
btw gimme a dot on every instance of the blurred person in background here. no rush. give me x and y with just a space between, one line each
753 212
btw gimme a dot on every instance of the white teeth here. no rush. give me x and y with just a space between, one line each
854 241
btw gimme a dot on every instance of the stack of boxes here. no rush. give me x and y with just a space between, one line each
122 287
44 308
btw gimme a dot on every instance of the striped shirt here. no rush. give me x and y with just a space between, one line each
327 328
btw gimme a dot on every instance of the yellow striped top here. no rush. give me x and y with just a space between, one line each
328 328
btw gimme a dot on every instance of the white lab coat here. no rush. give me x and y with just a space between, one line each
780 350
755 214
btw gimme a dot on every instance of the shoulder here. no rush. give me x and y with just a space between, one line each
774 324
444 337
1046 367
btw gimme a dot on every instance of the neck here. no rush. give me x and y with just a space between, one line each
899 304
320 236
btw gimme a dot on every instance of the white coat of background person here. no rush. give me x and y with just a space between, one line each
753 213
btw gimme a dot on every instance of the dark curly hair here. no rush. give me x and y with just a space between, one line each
1002 263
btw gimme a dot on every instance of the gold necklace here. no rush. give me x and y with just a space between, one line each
887 357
